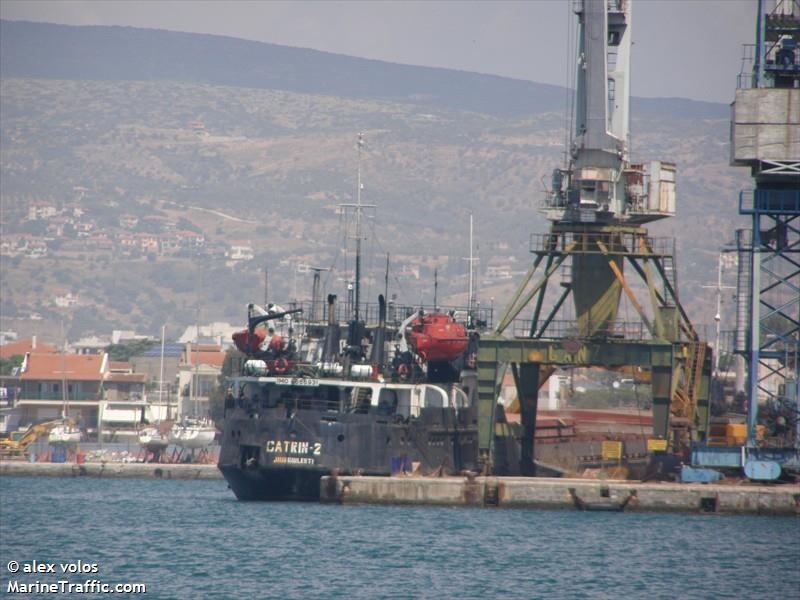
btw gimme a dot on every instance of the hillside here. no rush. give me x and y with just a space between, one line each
44 50
84 129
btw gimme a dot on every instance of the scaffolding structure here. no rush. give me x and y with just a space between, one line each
765 137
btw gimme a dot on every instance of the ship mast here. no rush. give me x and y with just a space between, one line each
359 209
386 280
471 260
436 289
358 231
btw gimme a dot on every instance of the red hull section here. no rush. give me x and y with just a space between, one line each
249 343
437 337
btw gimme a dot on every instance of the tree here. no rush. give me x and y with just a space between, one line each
123 352
186 225
37 228
7 365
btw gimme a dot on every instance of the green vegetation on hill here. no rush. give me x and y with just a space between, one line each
123 352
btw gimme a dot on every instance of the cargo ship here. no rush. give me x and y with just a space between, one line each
388 399
396 395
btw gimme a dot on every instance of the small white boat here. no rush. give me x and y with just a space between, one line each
193 435
64 434
153 438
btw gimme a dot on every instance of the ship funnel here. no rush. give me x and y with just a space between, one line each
331 344
379 335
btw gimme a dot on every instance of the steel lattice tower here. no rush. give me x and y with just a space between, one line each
765 136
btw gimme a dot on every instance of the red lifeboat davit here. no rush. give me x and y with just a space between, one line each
249 343
437 337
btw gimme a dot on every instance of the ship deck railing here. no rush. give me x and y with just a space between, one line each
351 397
317 312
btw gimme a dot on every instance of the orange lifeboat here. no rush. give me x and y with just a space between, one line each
249 343
437 337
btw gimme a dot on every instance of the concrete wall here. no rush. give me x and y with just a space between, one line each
571 494
112 470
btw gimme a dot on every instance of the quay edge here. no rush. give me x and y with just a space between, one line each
501 492
111 470
558 493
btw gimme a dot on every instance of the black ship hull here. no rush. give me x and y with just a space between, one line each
275 484
281 455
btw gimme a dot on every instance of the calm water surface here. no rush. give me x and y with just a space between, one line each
192 539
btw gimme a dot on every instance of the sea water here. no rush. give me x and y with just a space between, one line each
192 539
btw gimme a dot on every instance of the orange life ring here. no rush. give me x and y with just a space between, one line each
281 365
403 371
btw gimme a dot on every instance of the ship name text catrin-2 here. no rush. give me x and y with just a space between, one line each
293 448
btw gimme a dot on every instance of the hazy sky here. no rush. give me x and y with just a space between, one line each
687 48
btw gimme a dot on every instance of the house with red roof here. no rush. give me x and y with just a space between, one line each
23 347
102 396
56 383
169 243
147 242
190 239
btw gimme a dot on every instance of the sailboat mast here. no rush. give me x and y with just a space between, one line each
193 390
64 394
471 263
161 374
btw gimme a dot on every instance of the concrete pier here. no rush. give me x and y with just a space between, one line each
111 469
501 492
572 494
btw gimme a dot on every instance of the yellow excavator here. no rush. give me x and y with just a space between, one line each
15 448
